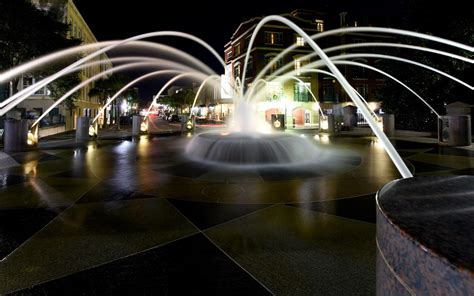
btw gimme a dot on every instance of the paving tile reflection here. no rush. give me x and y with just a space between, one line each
423 167
296 252
190 266
205 215
18 225
359 207
106 192
86 235
8 180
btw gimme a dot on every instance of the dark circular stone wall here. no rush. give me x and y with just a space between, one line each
425 236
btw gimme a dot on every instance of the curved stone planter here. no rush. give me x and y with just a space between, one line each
425 236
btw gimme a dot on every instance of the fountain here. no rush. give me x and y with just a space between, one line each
247 143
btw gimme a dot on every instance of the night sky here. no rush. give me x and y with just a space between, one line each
213 21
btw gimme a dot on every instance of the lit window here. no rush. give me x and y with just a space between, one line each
229 54
237 49
320 25
298 66
299 41
301 91
363 90
274 38
278 64
236 70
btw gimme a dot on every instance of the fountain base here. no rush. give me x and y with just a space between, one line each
242 149
424 236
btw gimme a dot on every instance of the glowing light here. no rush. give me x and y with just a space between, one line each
316 106
143 127
92 131
324 139
380 123
31 139
324 124
189 125
124 107
264 127
373 106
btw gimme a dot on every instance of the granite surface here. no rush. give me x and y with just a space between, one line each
424 232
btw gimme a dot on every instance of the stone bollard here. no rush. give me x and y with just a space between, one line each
388 121
136 125
455 130
16 135
82 129
350 116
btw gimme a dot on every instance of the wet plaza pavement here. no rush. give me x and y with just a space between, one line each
122 216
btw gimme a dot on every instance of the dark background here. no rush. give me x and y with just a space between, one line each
216 21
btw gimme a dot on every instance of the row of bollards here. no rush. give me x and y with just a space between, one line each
453 130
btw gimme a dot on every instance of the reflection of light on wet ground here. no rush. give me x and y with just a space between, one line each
322 138
377 144
91 154
143 146
30 168
124 147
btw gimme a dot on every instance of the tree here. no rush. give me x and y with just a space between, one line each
180 99
108 87
27 33
447 21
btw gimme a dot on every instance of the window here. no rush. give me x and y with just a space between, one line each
298 66
328 94
249 67
229 55
237 49
237 70
274 91
301 92
278 64
299 41
41 92
274 38
320 25
363 90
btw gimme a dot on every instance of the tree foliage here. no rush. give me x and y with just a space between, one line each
27 33
107 87
448 21
180 99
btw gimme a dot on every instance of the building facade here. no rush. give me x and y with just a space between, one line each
295 95
306 95
84 105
